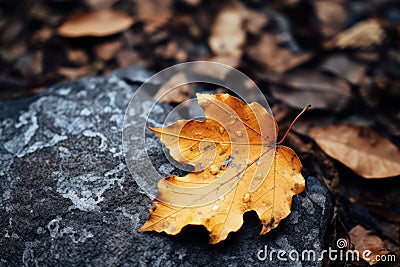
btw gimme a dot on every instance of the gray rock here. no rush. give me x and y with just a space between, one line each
67 197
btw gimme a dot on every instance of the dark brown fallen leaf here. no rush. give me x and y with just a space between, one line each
43 35
332 17
168 51
181 91
217 71
38 11
227 34
12 28
172 50
227 60
361 149
366 56
95 23
273 56
364 34
154 13
345 68
11 53
301 88
77 57
363 240
108 50
186 25
130 57
73 73
254 21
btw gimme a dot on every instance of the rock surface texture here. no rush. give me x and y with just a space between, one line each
67 197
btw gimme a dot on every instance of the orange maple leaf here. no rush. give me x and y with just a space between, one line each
238 167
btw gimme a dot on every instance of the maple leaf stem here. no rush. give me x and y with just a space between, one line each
293 122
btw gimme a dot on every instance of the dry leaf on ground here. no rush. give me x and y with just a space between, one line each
254 21
363 240
77 57
227 60
95 23
272 55
236 169
332 16
361 149
301 88
127 57
154 13
73 73
43 35
216 70
345 68
228 36
182 90
107 50
362 35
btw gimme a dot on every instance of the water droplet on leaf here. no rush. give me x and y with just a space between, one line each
246 198
214 169
239 133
